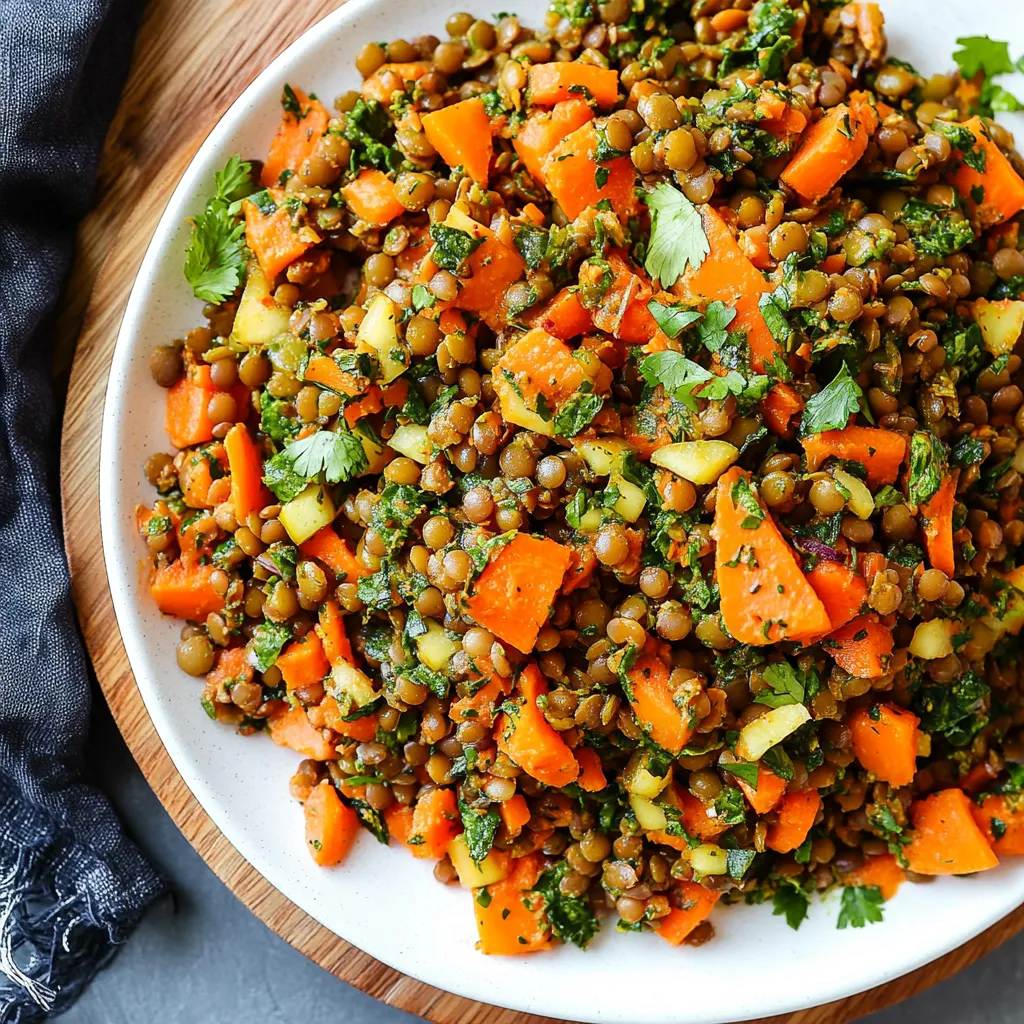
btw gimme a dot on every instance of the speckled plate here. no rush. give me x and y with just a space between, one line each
384 901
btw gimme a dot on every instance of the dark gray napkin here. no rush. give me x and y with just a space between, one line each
71 884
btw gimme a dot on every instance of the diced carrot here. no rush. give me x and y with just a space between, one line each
873 563
693 816
303 662
830 147
770 790
291 728
591 778
834 264
726 275
331 630
512 920
515 813
885 742
197 479
494 266
398 819
325 372
978 778
870 21
514 594
331 826
274 240
937 515
572 174
391 78
1002 185
480 706
861 647
537 364
698 902
779 407
651 699
295 139
543 130
362 730
452 322
795 817
435 823
946 839
556 81
182 588
372 198
882 870
765 596
370 403
622 309
326 546
1005 815
730 20
526 736
840 590
461 134
188 421
880 452
789 124
564 316
246 465
232 667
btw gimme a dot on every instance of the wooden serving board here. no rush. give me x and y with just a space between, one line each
191 61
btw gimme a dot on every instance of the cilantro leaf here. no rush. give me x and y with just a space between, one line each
481 827
678 375
576 413
677 235
713 328
742 770
927 466
235 181
831 408
862 904
672 319
980 53
338 454
452 247
280 476
792 902
267 640
372 820
785 686
570 917
273 421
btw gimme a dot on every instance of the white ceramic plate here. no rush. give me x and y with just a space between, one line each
384 901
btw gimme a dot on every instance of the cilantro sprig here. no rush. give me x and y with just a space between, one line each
677 240
831 408
339 455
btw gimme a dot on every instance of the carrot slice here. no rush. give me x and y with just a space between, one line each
1002 816
880 452
885 742
677 924
435 823
770 790
331 630
651 699
246 465
556 81
937 514
514 594
1002 187
830 147
576 181
273 238
479 707
563 317
515 813
182 588
883 871
461 134
693 816
526 736
372 198
779 407
861 647
325 372
303 662
726 275
796 815
391 78
188 421
295 139
232 668
327 547
841 590
331 826
545 129
291 728
946 839
511 920
591 778
765 596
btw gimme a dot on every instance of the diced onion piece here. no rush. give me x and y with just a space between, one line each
412 442
860 502
435 648
700 462
307 513
604 456
933 639
709 859
492 868
759 736
347 679
379 335
631 498
640 780
648 814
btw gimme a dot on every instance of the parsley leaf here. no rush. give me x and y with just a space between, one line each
713 328
792 902
339 454
677 235
576 413
452 247
570 917
672 319
980 53
831 408
678 375
742 770
785 686
862 904
927 466
280 476
235 181
267 640
481 828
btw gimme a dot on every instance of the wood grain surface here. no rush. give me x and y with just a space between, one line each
191 61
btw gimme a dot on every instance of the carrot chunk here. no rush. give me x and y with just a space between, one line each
861 647
479 707
274 240
188 421
622 310
327 547
325 372
328 714
796 815
591 778
563 317
946 839
1001 816
291 728
232 668
765 596
182 588
779 407
937 513
296 138
880 452
513 595
461 134
526 736
331 630
391 78
435 823
883 871
557 81
303 662
841 590
512 919
515 813
1002 187
651 699
885 742
372 198
770 790
677 924
576 181
245 463
331 826
545 129
693 816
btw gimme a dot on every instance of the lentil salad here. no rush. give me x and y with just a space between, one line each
600 458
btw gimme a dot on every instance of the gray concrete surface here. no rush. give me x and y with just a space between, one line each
202 958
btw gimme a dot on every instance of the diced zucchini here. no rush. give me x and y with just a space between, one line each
604 456
412 442
860 502
459 218
493 868
347 680
309 511
709 859
700 462
648 814
639 779
515 410
258 319
435 648
590 521
933 639
377 334
1001 323
631 498
377 455
759 736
